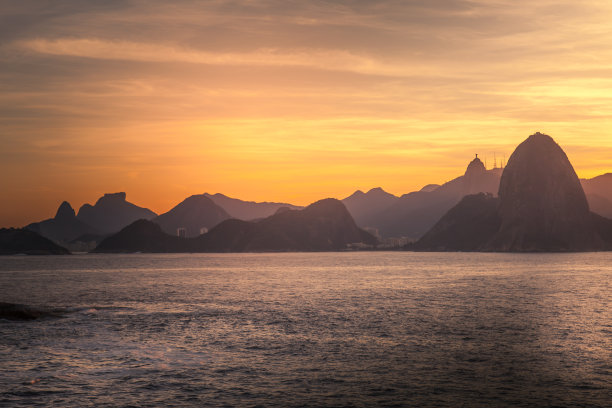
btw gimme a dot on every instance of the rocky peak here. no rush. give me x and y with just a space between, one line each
113 197
65 211
476 166
542 204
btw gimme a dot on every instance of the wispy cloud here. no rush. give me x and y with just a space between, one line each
336 60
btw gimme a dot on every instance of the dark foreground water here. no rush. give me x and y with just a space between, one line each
332 329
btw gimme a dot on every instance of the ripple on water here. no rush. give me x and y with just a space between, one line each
348 329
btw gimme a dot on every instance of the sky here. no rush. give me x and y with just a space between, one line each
291 101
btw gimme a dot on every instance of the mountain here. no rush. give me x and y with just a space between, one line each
23 241
598 191
323 226
363 206
247 210
468 225
541 207
600 205
112 212
600 185
413 214
144 236
193 214
429 188
64 227
542 204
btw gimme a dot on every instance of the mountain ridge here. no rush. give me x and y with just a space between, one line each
325 225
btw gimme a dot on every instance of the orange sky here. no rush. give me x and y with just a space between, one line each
288 101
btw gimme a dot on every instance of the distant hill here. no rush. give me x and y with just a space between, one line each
247 210
541 207
363 206
600 185
598 191
112 212
144 236
323 226
193 214
467 226
23 241
413 214
64 227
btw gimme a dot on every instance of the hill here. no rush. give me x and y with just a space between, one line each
541 207
112 212
364 206
196 214
323 226
62 228
413 214
23 241
247 210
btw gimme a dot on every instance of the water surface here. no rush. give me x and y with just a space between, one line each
316 329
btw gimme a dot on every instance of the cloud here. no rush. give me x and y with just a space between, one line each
335 60
391 90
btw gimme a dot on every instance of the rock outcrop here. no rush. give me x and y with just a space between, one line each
14 311
541 207
542 204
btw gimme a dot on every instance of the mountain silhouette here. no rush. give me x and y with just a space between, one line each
112 212
599 194
541 207
468 226
247 210
322 226
600 185
193 214
64 227
363 206
144 236
413 214
24 241
542 204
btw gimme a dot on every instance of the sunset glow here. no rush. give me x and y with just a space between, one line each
288 101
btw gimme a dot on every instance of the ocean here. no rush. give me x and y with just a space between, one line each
353 329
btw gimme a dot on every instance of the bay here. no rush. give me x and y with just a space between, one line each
309 329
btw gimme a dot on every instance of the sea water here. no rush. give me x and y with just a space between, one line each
309 329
